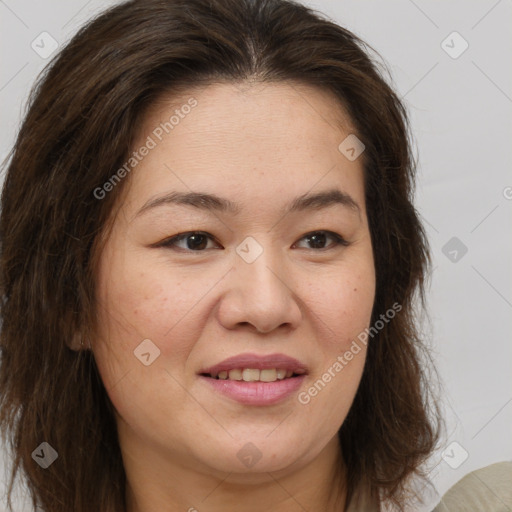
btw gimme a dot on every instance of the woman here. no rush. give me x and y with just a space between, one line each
276 365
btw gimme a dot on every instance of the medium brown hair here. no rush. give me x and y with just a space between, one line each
81 122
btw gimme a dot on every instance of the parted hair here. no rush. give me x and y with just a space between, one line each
80 125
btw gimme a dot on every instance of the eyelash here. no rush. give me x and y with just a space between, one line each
170 242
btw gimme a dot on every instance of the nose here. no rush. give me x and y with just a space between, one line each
260 295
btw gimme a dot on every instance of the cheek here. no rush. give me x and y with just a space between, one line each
344 301
137 305
342 305
342 309
157 303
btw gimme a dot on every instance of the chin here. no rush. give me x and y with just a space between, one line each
258 454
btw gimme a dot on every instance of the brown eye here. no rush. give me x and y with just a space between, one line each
318 239
195 241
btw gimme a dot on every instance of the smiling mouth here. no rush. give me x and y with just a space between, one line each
255 375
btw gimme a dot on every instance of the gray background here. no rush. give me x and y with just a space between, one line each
461 117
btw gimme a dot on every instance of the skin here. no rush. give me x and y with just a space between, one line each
261 145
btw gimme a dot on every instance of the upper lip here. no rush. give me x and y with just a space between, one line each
258 362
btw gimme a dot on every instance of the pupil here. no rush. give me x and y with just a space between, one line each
311 239
197 243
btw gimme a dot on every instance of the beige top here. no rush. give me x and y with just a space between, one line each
487 489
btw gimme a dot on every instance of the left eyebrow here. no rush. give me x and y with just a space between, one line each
212 202
321 200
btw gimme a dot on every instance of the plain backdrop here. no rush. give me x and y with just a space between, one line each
450 61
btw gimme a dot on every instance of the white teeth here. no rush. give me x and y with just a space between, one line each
235 374
268 375
254 375
281 374
250 375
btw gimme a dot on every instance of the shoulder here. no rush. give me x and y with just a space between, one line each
488 488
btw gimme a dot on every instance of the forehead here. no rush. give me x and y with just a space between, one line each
283 110
259 140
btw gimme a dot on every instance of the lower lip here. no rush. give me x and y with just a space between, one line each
256 393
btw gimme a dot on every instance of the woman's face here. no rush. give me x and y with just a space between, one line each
263 281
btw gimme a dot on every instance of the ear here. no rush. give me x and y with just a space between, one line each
76 343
